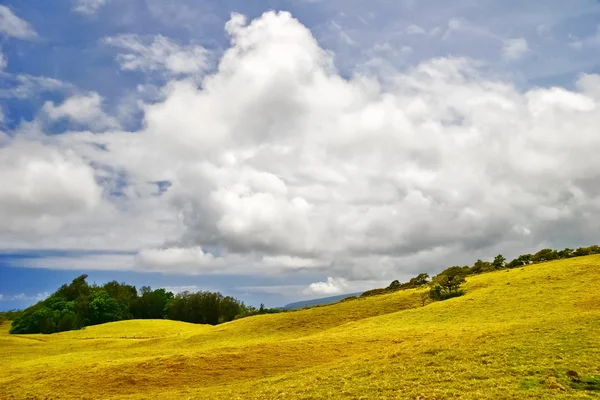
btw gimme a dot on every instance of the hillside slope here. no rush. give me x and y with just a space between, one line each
320 301
515 334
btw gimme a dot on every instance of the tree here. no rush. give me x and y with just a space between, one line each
395 285
523 259
419 280
481 266
499 262
544 255
447 284
151 304
103 308
77 288
125 295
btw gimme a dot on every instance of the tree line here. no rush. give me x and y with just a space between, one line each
447 284
80 304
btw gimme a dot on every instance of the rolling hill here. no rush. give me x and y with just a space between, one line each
318 302
531 332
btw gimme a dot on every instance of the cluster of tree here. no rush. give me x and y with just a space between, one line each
9 315
417 281
250 311
543 255
447 284
79 304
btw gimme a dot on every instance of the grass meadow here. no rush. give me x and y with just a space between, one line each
525 333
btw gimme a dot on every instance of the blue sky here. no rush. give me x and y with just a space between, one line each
280 150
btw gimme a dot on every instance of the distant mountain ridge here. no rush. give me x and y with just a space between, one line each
316 302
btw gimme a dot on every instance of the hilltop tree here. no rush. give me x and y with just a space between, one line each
152 304
125 295
481 266
523 259
104 308
395 285
544 255
499 262
419 280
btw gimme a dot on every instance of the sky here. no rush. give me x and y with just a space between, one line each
280 150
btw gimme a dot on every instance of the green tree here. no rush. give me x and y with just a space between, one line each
419 280
523 259
481 267
104 308
499 262
544 255
152 304
125 295
448 283
565 253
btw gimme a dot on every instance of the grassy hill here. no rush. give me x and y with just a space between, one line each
318 302
515 334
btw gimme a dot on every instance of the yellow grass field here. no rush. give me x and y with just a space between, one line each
514 335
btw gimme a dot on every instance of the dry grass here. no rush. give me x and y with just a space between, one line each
515 335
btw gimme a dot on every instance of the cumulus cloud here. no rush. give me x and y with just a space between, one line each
43 186
278 163
514 49
85 110
161 54
13 26
332 286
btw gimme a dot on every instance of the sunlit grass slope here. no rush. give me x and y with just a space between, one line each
515 334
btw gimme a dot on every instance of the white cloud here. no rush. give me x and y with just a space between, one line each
332 286
22 86
161 54
514 49
292 262
13 26
180 289
177 258
23 297
88 262
3 61
277 163
42 186
415 30
88 7
84 110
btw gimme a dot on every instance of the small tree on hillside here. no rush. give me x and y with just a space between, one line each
523 259
545 255
395 285
499 262
419 280
447 284
481 266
